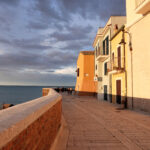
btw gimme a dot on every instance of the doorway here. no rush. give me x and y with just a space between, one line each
105 92
118 91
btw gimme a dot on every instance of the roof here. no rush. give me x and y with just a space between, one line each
101 31
121 29
87 52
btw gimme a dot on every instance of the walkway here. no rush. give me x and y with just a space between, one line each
98 125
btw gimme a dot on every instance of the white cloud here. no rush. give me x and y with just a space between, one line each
1 52
66 71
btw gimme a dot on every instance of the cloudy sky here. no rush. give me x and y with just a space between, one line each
40 39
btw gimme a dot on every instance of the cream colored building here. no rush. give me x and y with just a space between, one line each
102 48
138 60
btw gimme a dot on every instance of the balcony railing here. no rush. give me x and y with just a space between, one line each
142 6
116 64
101 56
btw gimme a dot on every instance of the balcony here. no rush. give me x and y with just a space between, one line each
142 6
101 56
116 65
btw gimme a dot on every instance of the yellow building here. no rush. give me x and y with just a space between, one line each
138 56
117 66
85 85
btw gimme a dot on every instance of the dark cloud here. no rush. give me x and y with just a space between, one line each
44 35
30 44
9 2
91 9
4 40
27 44
37 25
47 9
74 33
23 60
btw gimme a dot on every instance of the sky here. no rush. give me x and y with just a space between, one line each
40 39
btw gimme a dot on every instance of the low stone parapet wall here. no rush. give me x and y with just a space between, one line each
32 125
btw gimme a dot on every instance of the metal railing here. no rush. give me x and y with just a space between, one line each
117 63
100 52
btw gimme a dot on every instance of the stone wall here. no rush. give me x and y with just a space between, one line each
32 125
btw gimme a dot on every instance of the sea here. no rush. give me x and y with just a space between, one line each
20 94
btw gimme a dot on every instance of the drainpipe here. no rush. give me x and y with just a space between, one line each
124 47
131 49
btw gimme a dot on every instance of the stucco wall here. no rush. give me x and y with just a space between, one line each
140 32
141 59
31 125
115 77
131 14
118 75
85 81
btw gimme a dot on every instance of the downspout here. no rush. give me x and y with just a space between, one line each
131 49
110 74
124 47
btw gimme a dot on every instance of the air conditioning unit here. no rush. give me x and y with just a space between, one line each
100 78
95 78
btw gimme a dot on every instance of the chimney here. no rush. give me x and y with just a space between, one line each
115 28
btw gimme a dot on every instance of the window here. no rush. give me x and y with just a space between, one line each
105 68
106 46
98 49
78 72
105 92
103 47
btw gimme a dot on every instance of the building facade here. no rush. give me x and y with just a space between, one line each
138 56
117 66
102 48
85 85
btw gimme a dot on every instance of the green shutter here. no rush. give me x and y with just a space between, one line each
105 69
104 47
107 45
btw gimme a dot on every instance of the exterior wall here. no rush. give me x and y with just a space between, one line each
138 68
85 82
119 75
115 77
80 65
33 125
106 78
108 30
130 10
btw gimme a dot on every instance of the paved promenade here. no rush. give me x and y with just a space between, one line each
98 125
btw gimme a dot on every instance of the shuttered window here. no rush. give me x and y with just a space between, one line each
78 72
104 47
107 45
105 68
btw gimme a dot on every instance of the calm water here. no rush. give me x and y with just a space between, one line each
19 94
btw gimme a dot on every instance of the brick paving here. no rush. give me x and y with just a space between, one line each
98 125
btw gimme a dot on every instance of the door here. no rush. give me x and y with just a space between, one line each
119 58
118 91
105 92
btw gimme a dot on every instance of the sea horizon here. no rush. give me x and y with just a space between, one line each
16 94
